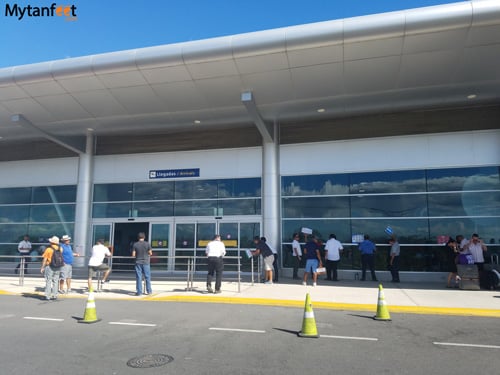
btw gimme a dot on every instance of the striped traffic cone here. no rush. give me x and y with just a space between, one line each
90 315
382 311
308 323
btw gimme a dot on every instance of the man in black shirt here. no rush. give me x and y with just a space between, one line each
142 252
267 254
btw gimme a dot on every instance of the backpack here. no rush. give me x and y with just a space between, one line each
57 260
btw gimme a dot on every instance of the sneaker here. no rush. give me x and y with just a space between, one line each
69 291
105 281
217 291
304 283
61 291
209 289
314 284
268 282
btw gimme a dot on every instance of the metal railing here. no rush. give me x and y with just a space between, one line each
166 268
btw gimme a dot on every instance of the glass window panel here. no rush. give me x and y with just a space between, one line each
54 194
316 207
321 228
13 233
196 189
153 209
184 236
15 195
239 187
458 179
110 210
487 228
388 182
247 232
411 205
464 204
229 234
40 233
325 184
14 214
112 192
407 230
53 213
154 191
195 208
160 236
239 207
204 233
101 232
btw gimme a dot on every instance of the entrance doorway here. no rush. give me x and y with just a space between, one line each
125 235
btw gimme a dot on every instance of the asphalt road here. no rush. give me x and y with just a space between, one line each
200 338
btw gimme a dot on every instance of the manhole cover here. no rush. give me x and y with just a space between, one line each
150 360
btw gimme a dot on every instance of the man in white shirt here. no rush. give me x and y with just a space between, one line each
215 252
99 252
24 249
296 255
476 248
332 257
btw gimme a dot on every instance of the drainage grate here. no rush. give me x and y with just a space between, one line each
150 360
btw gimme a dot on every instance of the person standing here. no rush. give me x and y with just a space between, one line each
296 255
394 259
333 248
67 269
275 262
367 249
267 255
215 252
96 262
24 250
142 252
313 260
476 248
51 271
452 252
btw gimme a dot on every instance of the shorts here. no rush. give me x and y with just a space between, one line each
268 263
66 272
311 265
94 269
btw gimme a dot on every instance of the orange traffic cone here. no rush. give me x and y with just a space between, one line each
90 315
309 323
382 311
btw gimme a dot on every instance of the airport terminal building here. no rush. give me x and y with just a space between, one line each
346 126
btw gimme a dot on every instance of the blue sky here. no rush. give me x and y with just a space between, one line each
111 25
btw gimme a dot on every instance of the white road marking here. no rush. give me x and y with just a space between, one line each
236 330
133 324
467 345
38 318
350 338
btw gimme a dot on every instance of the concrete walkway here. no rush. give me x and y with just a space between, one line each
414 298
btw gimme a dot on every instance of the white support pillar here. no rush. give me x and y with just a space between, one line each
81 241
271 220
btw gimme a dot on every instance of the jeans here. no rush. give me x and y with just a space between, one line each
368 261
51 282
215 265
140 270
295 264
276 268
395 269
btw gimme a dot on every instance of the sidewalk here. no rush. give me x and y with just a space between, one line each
414 298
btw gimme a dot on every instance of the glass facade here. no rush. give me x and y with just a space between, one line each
40 211
419 205
178 198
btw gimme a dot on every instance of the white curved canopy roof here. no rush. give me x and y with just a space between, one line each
434 57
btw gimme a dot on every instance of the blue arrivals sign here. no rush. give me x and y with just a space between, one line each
173 173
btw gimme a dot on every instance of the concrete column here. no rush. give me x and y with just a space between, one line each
271 220
81 240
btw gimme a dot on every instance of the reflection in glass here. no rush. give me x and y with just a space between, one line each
153 191
317 207
388 182
54 194
106 210
15 195
327 184
153 209
14 214
113 192
239 187
408 205
239 206
160 236
196 189
458 179
53 213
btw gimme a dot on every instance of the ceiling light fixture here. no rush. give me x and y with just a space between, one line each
197 121
321 110
471 96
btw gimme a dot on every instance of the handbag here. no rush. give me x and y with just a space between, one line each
321 270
